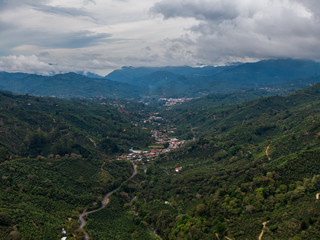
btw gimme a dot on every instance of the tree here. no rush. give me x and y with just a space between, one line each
4 154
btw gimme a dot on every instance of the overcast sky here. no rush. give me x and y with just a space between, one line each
43 36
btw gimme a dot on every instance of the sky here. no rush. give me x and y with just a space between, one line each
46 36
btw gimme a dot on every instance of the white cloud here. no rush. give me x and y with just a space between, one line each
97 36
248 29
27 64
101 35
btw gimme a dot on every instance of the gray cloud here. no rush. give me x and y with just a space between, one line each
42 6
5 26
100 35
79 39
312 5
202 10
89 1
69 40
34 64
63 11
239 30
72 35
5 4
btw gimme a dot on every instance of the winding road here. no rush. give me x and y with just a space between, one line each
264 224
267 153
104 203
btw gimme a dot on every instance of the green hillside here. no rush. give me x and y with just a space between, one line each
57 158
252 163
248 169
32 126
273 74
69 85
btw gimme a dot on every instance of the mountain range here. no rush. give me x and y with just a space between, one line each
285 74
247 166
280 75
69 85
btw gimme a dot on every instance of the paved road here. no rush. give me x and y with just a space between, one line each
267 152
264 224
104 203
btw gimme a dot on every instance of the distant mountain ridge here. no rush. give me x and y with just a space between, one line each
69 85
89 74
129 74
188 81
278 75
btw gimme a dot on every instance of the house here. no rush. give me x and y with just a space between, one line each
135 151
178 169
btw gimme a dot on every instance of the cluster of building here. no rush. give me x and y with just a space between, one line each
153 117
174 101
163 144
141 156
162 138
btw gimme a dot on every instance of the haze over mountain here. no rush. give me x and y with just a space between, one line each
159 119
102 35
191 82
280 76
253 162
69 85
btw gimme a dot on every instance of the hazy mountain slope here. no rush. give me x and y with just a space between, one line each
132 74
186 81
270 72
68 85
135 83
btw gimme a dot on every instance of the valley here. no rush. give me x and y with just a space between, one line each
220 181
238 165
160 120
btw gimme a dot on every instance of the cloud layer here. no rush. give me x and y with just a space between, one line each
30 64
243 30
100 35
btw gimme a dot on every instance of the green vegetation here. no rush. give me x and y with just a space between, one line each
40 195
32 126
156 146
243 164
275 76
118 221
69 85
251 163
57 159
150 83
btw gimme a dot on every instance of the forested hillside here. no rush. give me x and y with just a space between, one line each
69 85
249 168
57 158
279 75
160 120
148 84
251 165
